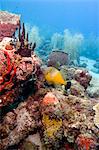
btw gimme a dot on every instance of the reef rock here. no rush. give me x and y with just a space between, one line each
17 124
83 77
93 89
8 24
56 117
96 119
68 73
16 69
76 89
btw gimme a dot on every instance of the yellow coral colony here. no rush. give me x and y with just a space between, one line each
51 125
53 76
96 119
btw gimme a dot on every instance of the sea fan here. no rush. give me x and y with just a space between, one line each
72 43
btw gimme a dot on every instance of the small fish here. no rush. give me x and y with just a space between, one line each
53 76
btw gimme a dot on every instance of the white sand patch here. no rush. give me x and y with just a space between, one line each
90 68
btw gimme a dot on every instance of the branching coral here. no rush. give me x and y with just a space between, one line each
68 42
34 35
57 41
9 68
72 44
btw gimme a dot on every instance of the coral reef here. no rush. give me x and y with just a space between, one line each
32 142
39 115
18 64
18 123
68 73
96 119
83 77
76 89
58 116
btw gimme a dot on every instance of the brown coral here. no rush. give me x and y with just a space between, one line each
83 77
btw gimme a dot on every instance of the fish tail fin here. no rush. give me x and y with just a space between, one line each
67 85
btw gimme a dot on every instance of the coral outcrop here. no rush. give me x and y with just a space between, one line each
52 118
18 123
18 65
83 77
58 118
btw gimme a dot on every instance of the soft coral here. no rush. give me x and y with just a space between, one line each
9 68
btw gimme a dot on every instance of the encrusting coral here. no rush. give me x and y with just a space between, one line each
51 110
51 126
18 123
83 77
96 119
85 140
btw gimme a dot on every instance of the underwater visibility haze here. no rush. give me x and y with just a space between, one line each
55 16
49 74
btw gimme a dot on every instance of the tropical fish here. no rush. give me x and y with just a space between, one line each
54 76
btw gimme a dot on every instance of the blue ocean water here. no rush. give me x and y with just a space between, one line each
76 15
50 16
